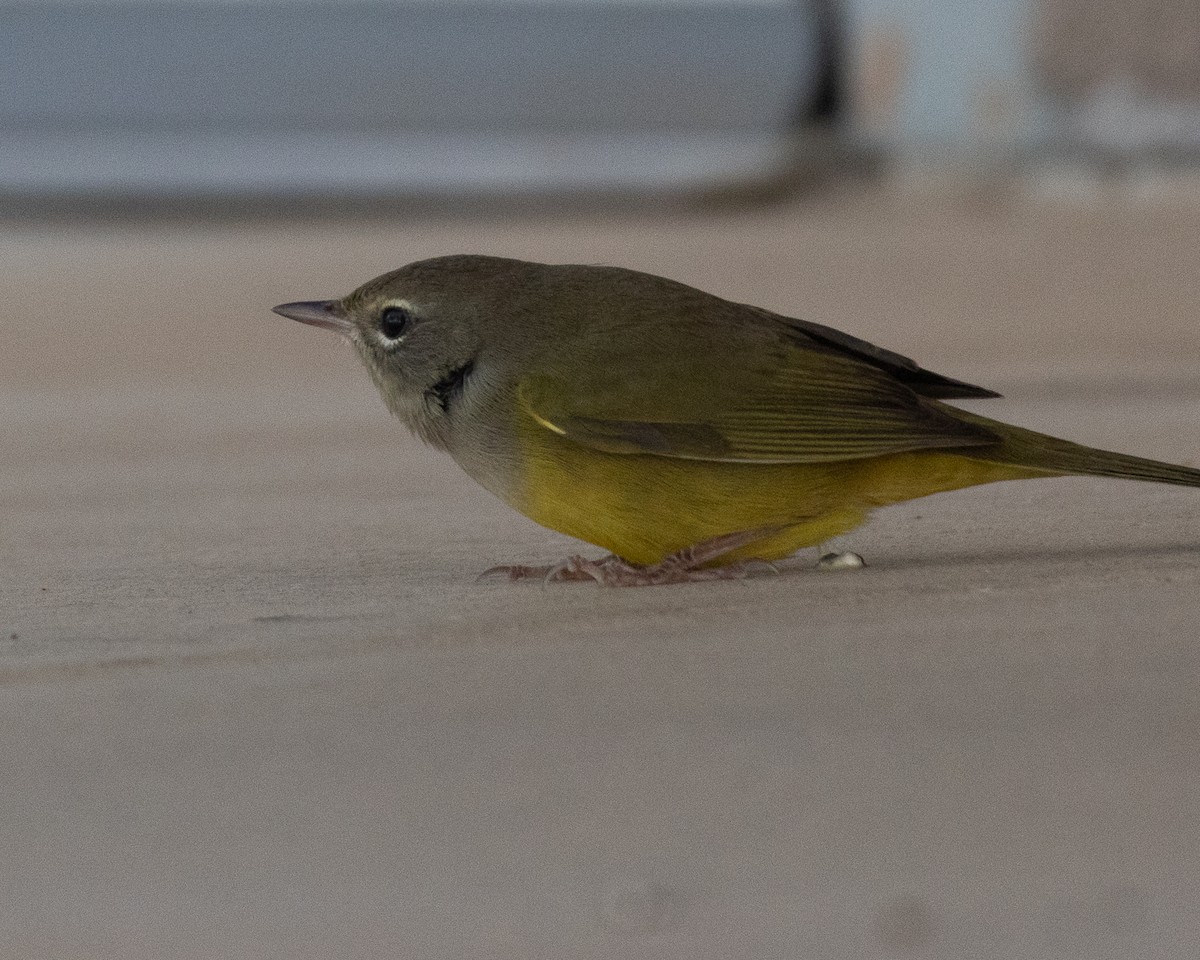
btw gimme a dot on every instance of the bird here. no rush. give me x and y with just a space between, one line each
689 436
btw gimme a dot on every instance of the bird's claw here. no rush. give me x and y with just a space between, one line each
688 565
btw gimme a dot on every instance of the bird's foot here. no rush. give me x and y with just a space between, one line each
573 568
684 566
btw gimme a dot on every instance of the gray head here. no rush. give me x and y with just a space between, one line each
435 331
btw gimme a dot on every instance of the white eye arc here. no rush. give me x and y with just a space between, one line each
394 322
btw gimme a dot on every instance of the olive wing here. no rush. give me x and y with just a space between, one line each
781 405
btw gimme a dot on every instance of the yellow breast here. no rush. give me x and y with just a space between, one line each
645 507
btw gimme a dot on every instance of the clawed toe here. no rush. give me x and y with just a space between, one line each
574 568
685 566
514 571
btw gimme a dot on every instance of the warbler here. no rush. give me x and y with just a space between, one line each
689 435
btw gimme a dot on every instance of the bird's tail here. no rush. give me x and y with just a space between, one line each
1031 450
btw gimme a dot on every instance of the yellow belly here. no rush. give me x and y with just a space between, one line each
644 507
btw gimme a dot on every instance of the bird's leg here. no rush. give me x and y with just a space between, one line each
684 566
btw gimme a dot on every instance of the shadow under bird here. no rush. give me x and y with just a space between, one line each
688 435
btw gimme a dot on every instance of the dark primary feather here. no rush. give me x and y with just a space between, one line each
915 377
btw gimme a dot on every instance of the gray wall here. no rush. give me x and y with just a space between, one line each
299 96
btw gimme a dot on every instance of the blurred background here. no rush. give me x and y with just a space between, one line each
157 100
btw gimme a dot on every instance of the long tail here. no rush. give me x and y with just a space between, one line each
1037 451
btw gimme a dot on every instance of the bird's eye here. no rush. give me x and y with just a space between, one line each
393 322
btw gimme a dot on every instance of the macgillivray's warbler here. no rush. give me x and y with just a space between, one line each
687 434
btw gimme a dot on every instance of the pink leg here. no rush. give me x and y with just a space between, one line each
684 566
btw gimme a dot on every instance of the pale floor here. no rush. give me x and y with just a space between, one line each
253 702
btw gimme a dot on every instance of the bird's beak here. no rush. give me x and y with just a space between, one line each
319 313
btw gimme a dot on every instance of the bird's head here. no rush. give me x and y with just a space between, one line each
433 333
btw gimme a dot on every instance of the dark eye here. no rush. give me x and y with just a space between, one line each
394 321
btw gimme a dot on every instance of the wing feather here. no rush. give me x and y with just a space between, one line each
779 405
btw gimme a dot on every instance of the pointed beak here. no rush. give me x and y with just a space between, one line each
318 313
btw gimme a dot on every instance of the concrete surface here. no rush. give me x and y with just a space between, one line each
254 704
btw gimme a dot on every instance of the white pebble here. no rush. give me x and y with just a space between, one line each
841 561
